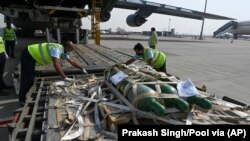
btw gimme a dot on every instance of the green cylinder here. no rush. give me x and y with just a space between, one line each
202 102
147 104
178 103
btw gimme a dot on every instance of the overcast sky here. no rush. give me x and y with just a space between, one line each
231 8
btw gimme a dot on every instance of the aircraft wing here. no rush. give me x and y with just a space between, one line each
151 7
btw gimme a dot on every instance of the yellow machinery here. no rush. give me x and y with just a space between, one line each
95 20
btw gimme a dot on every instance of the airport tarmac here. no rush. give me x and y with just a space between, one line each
219 64
222 66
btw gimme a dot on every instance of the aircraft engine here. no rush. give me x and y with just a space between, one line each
105 16
135 20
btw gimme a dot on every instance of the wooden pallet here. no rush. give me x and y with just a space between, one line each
42 120
32 116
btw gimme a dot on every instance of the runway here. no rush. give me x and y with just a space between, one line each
219 64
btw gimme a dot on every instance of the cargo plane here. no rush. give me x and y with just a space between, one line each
31 15
236 28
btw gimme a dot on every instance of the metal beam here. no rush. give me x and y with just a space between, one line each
203 20
48 35
77 35
93 69
33 117
58 35
95 22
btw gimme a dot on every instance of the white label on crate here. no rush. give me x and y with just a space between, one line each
118 77
186 89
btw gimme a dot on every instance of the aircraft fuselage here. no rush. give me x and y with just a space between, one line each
241 28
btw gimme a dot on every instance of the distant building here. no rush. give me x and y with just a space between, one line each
160 33
121 31
147 33
105 31
169 33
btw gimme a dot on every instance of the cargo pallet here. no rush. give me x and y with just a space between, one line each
39 119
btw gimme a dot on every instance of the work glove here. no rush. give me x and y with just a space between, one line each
69 79
84 71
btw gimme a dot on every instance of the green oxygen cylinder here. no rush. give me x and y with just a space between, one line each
202 102
147 104
178 103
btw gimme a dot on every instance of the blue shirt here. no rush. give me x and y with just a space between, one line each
58 53
150 55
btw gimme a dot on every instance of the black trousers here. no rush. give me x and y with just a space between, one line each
27 74
2 64
9 46
163 68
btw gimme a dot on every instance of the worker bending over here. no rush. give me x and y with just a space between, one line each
43 54
152 57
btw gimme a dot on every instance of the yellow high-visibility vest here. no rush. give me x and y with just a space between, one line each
2 46
153 39
41 52
159 57
9 34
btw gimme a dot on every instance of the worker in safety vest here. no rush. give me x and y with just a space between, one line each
152 57
43 54
153 39
10 39
3 57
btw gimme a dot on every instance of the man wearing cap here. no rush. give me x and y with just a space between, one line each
43 54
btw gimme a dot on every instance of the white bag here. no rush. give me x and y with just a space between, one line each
118 77
186 89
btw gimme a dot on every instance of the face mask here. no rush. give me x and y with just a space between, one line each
65 54
139 53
